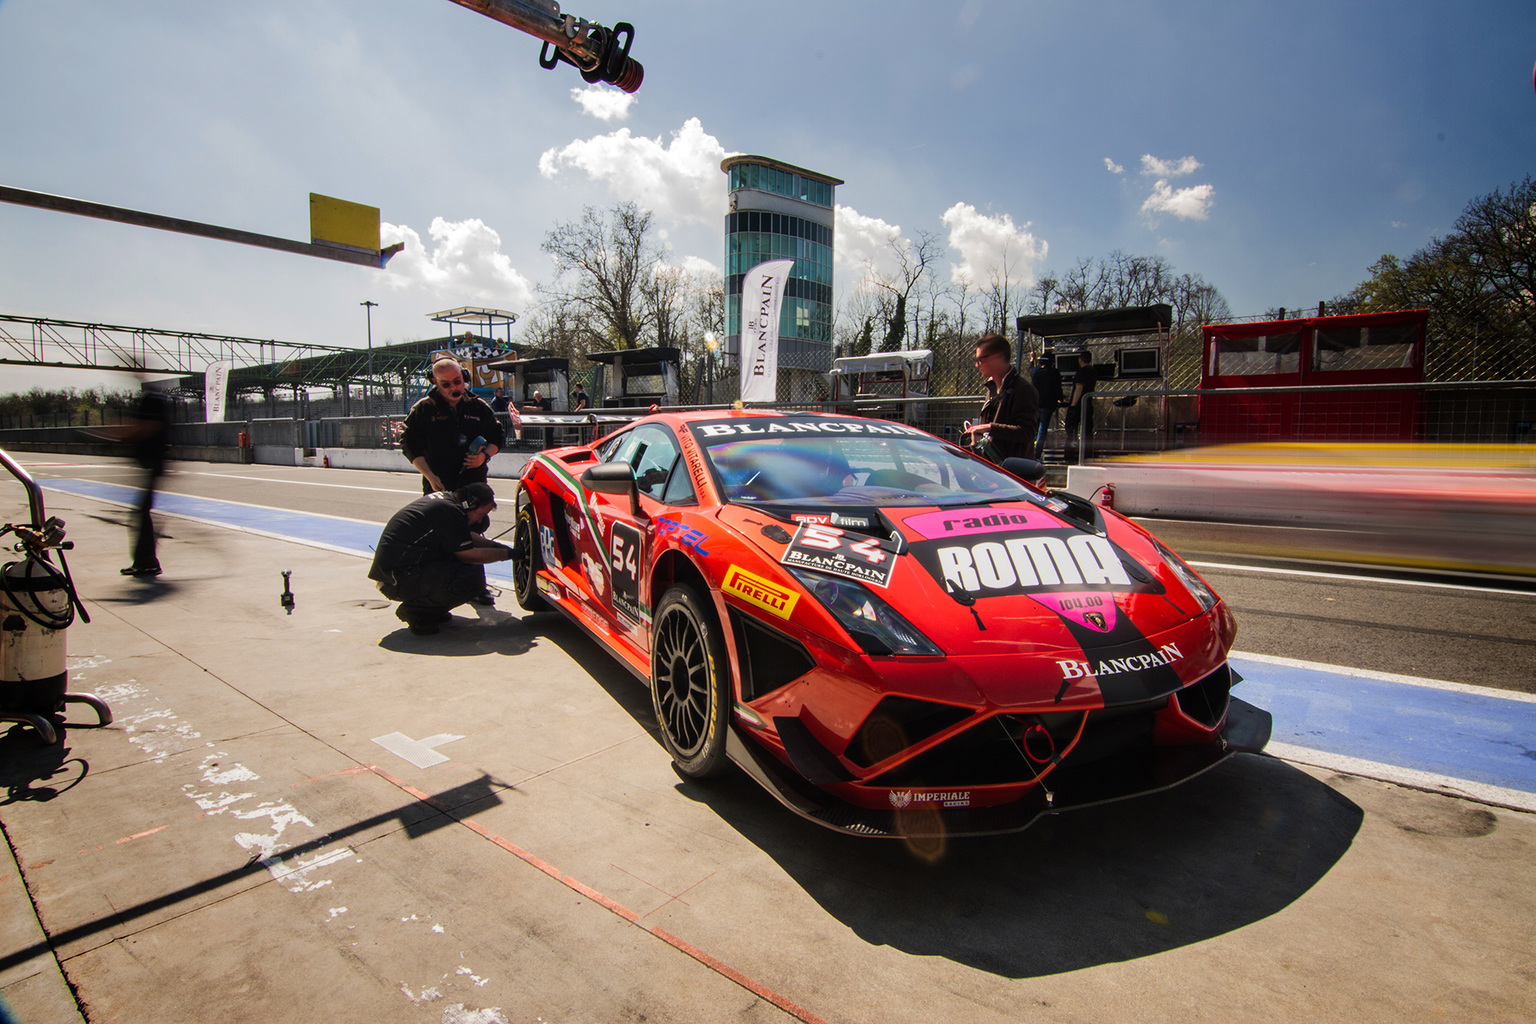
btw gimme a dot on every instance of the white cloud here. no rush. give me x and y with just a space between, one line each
862 241
1193 203
679 181
604 102
986 242
465 267
1152 166
1114 168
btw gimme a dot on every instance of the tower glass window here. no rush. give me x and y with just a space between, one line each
779 211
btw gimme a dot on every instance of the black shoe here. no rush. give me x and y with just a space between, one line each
141 570
422 628
486 599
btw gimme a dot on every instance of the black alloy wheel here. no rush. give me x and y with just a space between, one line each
526 566
690 684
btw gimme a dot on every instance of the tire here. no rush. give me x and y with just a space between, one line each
690 683
525 568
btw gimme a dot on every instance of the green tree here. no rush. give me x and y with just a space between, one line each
1479 282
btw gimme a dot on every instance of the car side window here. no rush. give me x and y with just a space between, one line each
653 452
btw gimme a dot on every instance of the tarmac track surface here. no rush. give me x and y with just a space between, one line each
248 841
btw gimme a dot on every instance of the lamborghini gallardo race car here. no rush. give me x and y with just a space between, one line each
891 635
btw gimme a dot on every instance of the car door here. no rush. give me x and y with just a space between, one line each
651 450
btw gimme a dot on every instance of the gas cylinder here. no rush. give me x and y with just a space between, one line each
35 612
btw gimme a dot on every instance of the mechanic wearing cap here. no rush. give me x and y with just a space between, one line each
452 433
431 557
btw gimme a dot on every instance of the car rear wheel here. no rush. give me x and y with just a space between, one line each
526 566
690 683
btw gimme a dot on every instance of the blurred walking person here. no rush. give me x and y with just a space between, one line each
149 438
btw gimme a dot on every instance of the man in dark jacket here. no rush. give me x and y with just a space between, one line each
1047 381
432 554
441 429
1006 426
148 438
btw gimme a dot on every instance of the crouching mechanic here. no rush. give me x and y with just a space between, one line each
431 556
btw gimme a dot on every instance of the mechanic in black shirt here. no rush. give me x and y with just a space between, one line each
1006 426
431 555
1047 381
1080 408
440 429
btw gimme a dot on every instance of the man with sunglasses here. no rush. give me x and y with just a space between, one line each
442 429
1006 426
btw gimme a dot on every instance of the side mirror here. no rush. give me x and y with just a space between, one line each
1025 469
614 478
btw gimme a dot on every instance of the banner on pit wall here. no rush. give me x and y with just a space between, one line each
215 384
762 295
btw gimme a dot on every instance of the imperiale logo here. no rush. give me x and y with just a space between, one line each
766 594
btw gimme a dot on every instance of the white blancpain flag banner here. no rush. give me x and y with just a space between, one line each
762 293
213 390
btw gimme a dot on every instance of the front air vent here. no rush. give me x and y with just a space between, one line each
897 723
1206 701
769 659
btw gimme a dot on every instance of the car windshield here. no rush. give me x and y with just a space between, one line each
853 469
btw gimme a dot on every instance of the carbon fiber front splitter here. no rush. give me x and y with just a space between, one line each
1247 730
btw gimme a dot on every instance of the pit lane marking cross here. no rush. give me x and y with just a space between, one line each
419 752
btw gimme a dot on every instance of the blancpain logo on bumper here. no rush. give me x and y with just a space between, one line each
1021 563
949 798
1164 655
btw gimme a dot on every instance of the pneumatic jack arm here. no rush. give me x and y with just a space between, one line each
600 54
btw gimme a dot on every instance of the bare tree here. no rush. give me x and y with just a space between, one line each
603 264
664 292
912 261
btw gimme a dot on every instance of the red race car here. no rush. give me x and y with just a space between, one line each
891 635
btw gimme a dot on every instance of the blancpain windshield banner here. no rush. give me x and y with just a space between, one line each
214 382
762 293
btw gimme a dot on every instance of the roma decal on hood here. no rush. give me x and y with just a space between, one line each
1027 563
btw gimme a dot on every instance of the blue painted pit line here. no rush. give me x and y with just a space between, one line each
1464 740
1439 734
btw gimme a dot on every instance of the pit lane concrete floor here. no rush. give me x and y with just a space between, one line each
318 816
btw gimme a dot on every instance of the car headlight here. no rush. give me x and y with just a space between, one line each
1192 582
874 625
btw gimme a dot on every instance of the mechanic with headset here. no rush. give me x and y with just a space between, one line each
452 433
432 554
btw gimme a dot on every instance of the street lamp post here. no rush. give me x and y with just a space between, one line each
368 386
711 342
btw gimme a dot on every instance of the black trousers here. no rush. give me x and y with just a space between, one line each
144 556
428 592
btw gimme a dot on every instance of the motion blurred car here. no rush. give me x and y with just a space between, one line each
893 636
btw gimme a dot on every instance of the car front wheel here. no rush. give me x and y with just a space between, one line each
526 565
690 683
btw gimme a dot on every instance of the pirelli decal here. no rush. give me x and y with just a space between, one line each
766 594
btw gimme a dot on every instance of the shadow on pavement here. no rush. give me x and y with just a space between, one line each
1094 886
492 632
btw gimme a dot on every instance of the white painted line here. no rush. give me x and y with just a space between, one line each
299 483
1390 677
1358 579
417 752
1497 796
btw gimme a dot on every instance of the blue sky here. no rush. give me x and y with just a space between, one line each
1274 149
